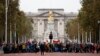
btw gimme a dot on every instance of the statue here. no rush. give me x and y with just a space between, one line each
50 18
51 37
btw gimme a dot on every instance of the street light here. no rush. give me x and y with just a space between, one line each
99 30
6 8
78 39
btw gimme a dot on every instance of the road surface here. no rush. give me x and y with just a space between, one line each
51 54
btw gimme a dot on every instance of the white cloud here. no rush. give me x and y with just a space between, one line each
33 5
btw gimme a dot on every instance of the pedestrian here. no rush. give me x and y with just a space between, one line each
42 48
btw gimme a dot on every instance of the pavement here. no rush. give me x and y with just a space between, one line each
1 52
52 54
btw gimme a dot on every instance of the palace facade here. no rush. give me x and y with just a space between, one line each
50 20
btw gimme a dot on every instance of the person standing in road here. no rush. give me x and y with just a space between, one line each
42 48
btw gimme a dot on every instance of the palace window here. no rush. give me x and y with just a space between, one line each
40 23
60 23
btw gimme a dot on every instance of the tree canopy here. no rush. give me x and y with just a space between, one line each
14 16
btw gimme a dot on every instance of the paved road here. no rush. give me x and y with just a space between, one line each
52 54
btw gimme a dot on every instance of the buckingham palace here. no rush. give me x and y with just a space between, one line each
50 20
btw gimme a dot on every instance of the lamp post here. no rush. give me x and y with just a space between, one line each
78 38
6 10
99 30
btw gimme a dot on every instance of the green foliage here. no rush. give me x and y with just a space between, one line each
72 28
24 27
15 16
2 18
89 15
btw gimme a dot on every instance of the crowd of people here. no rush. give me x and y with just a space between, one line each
48 47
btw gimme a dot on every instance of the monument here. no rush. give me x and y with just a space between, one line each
50 28
50 20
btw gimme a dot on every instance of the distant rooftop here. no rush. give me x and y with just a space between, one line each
56 9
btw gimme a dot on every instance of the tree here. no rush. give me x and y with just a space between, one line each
17 21
89 16
2 19
72 28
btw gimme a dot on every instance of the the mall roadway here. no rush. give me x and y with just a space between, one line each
51 54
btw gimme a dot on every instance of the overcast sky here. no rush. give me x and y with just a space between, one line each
33 5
